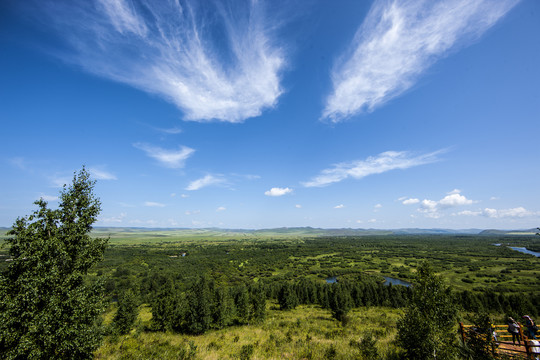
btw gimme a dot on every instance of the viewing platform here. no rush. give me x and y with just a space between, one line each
526 349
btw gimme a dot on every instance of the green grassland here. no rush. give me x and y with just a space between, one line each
306 332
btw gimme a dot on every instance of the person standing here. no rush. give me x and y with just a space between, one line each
513 328
531 327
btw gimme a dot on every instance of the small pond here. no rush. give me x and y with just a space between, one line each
390 280
331 280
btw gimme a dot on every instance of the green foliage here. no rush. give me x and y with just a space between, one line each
427 328
198 316
480 343
287 298
340 303
48 309
165 307
127 313
246 352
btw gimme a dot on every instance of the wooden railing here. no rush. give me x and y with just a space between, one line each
524 349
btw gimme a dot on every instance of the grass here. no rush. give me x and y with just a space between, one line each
308 332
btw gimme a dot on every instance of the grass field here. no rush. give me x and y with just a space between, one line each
307 332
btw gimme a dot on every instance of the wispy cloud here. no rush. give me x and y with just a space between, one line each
410 201
340 206
100 174
221 208
518 212
397 42
213 59
278 191
153 204
205 181
169 158
49 197
386 161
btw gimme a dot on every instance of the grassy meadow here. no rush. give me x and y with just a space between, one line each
307 332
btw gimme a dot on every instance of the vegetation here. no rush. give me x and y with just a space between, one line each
209 294
427 329
48 310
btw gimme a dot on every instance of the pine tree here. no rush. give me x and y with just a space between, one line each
127 312
48 310
198 313
287 298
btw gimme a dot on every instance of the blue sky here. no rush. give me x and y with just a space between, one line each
260 114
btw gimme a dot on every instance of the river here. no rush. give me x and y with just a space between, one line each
525 251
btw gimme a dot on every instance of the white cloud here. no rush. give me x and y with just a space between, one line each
397 42
519 212
454 200
410 201
221 208
213 60
99 174
171 131
432 208
183 196
469 213
340 206
278 191
169 158
298 206
386 161
208 180
49 197
115 219
153 204
378 206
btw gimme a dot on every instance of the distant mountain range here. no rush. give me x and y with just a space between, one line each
310 231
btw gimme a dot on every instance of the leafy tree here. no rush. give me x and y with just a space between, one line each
480 343
48 310
127 312
427 328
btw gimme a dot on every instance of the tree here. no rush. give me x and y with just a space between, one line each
48 308
127 313
340 303
198 315
287 298
427 328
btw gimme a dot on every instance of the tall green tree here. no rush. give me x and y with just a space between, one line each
427 329
127 313
48 308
